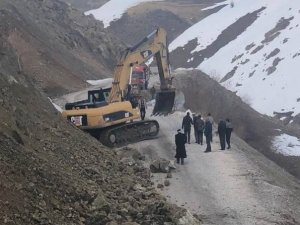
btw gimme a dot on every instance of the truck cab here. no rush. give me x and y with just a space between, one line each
140 77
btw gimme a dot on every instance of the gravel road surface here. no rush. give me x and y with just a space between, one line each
235 186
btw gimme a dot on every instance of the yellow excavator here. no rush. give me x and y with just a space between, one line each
115 119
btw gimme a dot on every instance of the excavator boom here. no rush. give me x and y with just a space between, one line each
139 54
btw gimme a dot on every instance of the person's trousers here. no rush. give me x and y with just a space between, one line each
196 135
187 133
181 160
143 113
222 140
228 135
200 137
208 140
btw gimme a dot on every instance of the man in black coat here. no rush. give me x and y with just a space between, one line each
180 140
142 106
208 134
200 129
187 122
222 133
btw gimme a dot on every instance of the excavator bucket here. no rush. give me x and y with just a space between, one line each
164 102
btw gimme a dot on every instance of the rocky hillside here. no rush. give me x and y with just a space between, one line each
56 45
52 173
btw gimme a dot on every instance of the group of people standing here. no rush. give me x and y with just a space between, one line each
201 127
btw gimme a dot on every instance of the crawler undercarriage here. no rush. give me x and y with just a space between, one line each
127 133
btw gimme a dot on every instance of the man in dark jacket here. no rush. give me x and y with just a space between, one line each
187 122
200 129
222 133
229 129
208 134
180 140
211 119
152 91
142 106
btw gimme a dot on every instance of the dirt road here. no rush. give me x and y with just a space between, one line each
236 186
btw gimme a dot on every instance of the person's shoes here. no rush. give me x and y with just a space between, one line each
222 149
182 163
206 151
189 142
228 147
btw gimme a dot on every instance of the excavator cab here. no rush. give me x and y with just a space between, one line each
164 102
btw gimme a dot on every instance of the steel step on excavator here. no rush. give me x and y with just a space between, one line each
115 120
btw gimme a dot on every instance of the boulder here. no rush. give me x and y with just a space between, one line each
161 166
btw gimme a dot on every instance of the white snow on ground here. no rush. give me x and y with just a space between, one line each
259 88
113 10
287 145
104 83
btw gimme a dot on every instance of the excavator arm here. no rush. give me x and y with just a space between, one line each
154 45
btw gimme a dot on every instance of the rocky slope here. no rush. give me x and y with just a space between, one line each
56 45
52 173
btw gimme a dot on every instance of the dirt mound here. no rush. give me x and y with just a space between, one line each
256 129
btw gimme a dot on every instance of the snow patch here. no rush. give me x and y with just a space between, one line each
113 10
104 83
286 145
216 5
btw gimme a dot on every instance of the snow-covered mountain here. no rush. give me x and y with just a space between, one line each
252 47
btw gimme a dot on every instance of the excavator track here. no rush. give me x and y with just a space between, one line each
129 133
